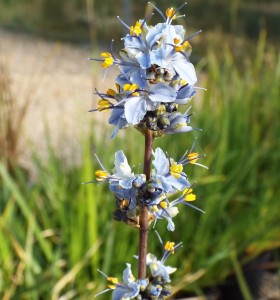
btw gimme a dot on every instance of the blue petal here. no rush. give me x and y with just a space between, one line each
135 110
185 70
126 183
134 43
158 57
185 93
162 93
155 34
116 115
160 163
143 59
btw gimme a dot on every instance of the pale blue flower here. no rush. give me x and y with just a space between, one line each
135 107
179 123
158 268
129 288
163 174
185 93
123 173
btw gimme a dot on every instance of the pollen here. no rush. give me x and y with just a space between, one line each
193 157
101 175
112 287
176 169
170 13
169 246
113 280
136 29
183 82
155 208
130 87
103 104
163 204
111 92
176 41
188 195
182 46
108 60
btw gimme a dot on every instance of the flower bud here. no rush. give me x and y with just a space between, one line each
170 107
167 290
163 122
151 122
160 110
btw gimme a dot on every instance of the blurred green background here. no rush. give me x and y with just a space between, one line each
54 231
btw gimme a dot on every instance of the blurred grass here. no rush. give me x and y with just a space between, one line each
55 232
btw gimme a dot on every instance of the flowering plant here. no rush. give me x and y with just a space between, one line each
156 77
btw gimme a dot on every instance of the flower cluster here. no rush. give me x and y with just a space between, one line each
155 287
155 77
133 190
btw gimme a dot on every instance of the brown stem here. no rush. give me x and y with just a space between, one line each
144 218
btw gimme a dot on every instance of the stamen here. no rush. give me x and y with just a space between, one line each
169 246
160 240
111 49
163 16
163 204
194 207
103 105
180 7
136 30
193 157
200 88
102 292
192 35
124 24
101 175
176 169
170 13
155 208
100 163
146 19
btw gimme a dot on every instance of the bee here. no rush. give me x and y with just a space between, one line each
156 74
121 214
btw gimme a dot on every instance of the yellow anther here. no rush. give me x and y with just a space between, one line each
112 287
113 280
176 41
130 87
107 62
193 157
136 29
169 246
176 170
108 59
111 92
103 104
170 13
105 54
183 82
101 175
163 204
188 195
155 208
181 47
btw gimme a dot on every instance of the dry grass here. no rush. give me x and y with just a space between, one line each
50 84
